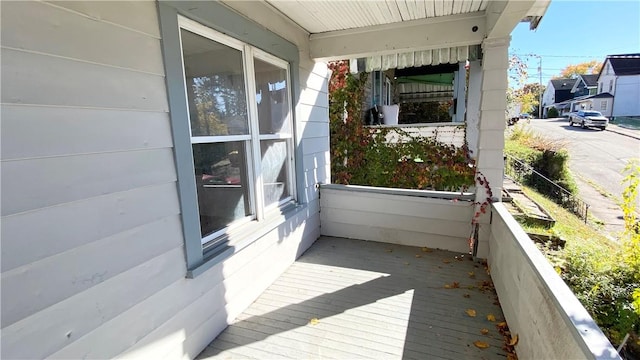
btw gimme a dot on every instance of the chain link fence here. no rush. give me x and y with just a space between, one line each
524 174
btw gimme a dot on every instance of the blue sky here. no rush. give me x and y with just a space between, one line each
572 32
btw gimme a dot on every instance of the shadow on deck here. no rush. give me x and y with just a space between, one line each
357 299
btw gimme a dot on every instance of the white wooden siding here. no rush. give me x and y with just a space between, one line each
92 250
397 219
70 130
66 82
531 292
64 40
627 94
40 182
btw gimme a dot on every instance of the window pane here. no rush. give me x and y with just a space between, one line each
215 87
272 99
221 180
275 168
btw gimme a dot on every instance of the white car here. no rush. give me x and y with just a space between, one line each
589 119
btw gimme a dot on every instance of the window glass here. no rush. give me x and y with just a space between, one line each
242 155
274 170
272 98
215 87
222 184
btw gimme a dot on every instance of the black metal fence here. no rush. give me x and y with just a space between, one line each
524 174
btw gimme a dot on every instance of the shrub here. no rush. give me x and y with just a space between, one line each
552 113
604 283
547 156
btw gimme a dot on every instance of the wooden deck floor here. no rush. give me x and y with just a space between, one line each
350 299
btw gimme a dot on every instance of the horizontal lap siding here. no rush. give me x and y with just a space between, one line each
525 300
92 248
313 127
405 220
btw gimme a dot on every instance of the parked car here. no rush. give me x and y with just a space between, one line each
589 119
525 116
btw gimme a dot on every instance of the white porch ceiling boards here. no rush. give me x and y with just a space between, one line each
347 29
319 16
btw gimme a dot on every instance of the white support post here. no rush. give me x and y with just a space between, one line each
460 84
473 106
493 105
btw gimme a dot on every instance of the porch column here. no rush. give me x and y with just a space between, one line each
459 92
495 64
473 106
493 106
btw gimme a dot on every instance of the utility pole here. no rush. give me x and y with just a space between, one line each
540 87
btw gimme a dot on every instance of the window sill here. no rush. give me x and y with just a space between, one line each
243 237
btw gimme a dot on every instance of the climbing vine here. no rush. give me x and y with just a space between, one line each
364 155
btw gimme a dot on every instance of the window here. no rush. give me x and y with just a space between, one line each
610 85
603 105
599 88
239 114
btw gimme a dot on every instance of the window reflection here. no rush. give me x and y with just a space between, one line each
221 181
274 170
272 99
215 87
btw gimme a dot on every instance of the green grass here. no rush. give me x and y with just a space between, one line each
568 226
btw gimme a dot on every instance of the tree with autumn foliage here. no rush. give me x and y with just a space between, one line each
585 68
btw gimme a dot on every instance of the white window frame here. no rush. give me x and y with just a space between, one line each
252 141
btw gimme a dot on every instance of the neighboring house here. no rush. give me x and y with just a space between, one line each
161 164
601 102
557 92
620 77
585 85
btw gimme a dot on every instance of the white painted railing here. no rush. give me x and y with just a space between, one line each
539 307
433 219
446 133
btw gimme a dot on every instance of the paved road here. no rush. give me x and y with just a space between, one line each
599 157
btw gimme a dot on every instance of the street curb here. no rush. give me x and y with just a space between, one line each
624 134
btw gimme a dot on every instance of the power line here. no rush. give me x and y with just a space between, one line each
562 56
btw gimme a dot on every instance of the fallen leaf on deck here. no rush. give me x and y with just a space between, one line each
514 340
406 263
471 312
491 317
501 325
446 261
426 249
418 256
388 250
466 295
484 331
471 274
314 321
481 344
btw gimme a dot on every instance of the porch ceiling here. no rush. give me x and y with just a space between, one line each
341 29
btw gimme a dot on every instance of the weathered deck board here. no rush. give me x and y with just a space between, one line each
371 300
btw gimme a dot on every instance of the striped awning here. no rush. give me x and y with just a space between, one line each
452 55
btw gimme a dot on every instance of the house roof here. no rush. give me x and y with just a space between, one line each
590 80
625 64
601 95
563 84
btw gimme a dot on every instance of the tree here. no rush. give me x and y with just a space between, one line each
572 71
528 96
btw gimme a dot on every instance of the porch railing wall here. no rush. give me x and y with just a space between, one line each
539 307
